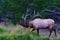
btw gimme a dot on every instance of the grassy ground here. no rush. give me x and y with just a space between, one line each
20 33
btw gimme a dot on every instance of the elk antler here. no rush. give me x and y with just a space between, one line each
36 15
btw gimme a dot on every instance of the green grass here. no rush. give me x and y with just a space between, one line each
23 34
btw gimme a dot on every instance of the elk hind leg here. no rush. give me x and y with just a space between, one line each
50 33
55 31
50 29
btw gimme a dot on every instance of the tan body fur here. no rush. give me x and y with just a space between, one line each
42 23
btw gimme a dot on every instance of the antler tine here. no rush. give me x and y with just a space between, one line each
25 17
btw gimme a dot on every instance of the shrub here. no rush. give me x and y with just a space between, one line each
25 35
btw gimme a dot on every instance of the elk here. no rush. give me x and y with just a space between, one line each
38 23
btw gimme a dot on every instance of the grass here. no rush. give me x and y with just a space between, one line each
23 34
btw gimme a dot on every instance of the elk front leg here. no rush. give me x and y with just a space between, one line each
37 31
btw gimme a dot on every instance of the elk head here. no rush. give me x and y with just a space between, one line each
24 21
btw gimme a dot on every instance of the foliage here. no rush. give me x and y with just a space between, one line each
14 9
2 30
25 35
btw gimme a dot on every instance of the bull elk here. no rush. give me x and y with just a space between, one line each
37 24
